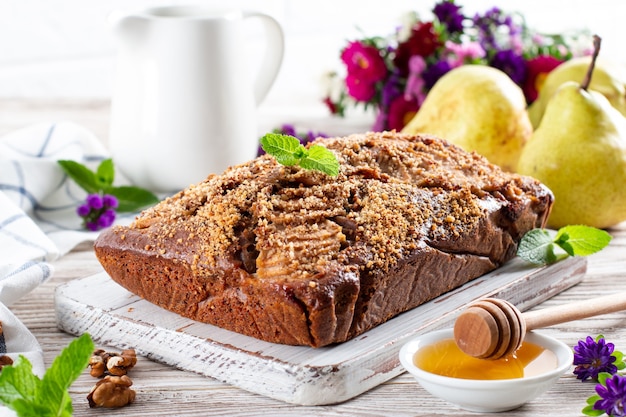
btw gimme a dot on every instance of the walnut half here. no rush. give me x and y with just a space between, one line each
111 392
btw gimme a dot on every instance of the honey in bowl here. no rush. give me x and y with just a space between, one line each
446 359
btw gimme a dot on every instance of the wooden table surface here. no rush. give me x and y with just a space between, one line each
164 391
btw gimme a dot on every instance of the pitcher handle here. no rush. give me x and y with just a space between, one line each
273 57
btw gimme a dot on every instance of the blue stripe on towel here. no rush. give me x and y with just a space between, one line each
21 190
46 141
43 267
20 238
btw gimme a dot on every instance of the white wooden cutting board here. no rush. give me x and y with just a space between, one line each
298 375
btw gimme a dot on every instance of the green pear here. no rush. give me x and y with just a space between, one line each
478 108
609 79
579 152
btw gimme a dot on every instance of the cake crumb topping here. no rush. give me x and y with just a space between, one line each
393 193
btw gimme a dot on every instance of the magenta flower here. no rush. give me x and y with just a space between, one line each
538 68
364 62
415 55
360 89
612 396
401 111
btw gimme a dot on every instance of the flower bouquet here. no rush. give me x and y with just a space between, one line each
393 74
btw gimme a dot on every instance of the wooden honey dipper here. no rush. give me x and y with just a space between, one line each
491 328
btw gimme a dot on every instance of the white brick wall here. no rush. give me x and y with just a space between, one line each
64 48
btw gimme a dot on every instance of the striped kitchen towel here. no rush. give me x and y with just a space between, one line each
38 221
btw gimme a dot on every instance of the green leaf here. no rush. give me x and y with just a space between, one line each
282 147
619 360
17 381
592 400
603 376
132 198
105 174
289 151
589 410
321 159
83 176
537 247
579 240
62 373
25 408
24 392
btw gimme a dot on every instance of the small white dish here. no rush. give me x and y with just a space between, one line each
486 395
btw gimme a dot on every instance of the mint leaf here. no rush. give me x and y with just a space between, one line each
17 381
321 159
132 198
105 173
289 151
28 395
582 240
537 246
64 370
83 176
282 147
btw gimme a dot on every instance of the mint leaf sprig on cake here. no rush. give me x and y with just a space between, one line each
538 245
289 151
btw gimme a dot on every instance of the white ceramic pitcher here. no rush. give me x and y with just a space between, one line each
184 99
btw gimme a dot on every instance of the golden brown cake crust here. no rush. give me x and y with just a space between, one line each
297 257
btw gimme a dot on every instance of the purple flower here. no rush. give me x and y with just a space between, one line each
288 129
93 226
432 74
95 201
109 200
512 64
613 396
83 210
391 89
106 219
449 14
98 211
591 358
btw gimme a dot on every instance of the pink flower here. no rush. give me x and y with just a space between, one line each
415 83
364 62
538 69
400 113
360 89
460 54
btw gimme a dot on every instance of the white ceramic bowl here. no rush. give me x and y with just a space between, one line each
486 395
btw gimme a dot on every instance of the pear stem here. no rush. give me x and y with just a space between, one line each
596 50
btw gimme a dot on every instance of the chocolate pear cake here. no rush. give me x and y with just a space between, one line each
298 257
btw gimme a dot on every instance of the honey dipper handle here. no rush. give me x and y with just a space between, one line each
574 311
